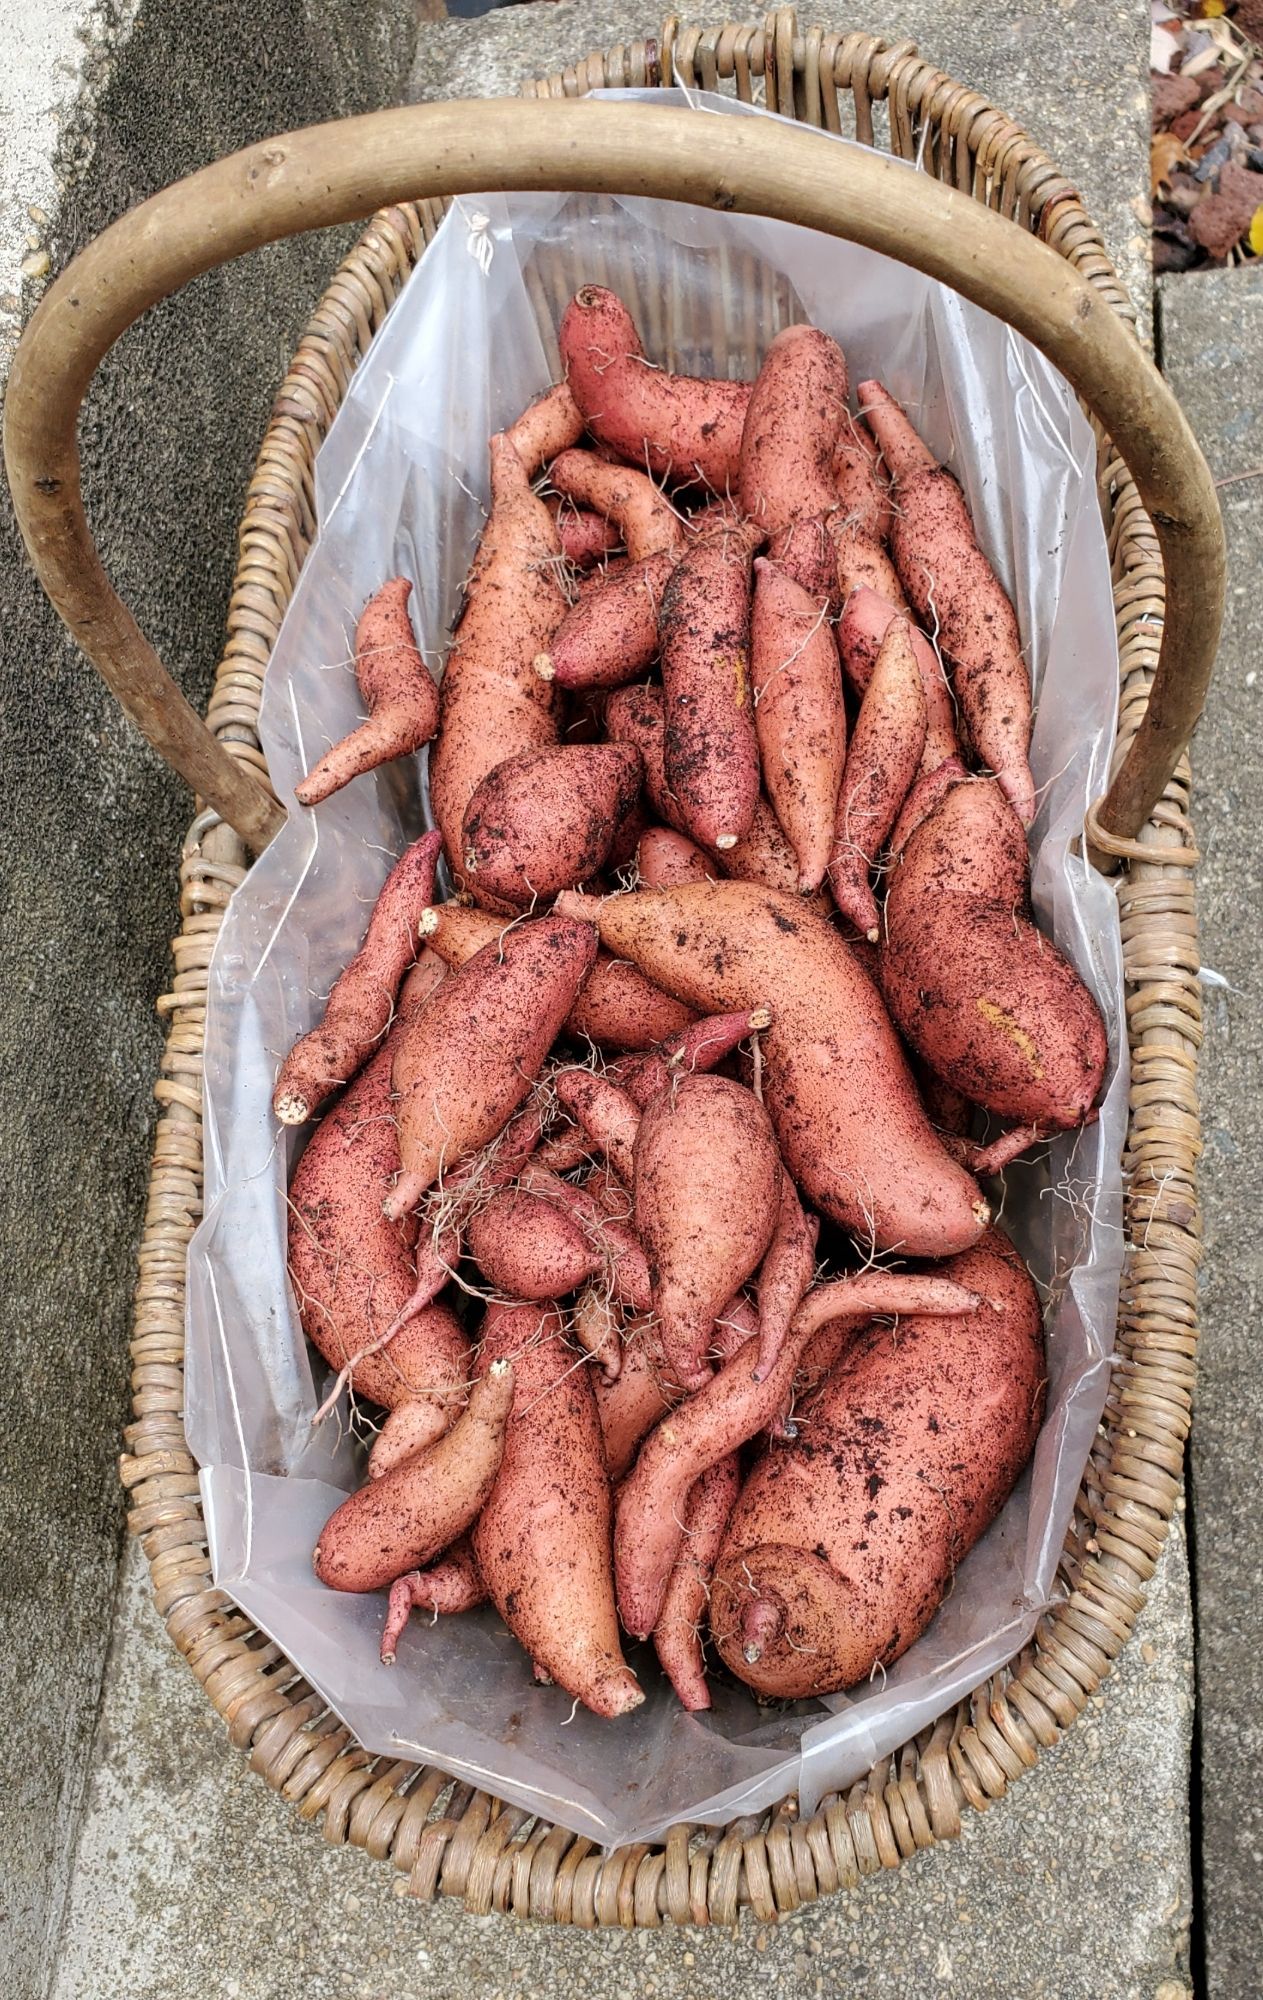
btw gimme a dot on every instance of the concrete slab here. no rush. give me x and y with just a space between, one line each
1211 330
194 1880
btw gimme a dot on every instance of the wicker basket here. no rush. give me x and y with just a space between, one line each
446 1835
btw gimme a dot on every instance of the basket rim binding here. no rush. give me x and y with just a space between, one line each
449 1837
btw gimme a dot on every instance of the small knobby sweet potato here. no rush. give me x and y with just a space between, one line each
353 1272
949 580
665 860
842 1545
610 636
493 704
525 1246
401 692
596 1324
616 1007
986 1000
552 423
682 427
799 714
542 1540
707 1195
546 819
795 415
677 1636
648 523
361 1006
722 1415
585 537
710 750
450 1585
830 1056
468 1060
881 765
785 1275
404 1519
860 631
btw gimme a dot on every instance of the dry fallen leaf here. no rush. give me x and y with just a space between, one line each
1166 152
1255 232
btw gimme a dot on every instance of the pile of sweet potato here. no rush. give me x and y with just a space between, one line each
644 1197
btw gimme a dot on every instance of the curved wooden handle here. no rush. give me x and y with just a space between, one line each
342 172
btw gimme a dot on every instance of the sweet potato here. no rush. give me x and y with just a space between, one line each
795 414
700 1047
610 636
799 714
986 1000
616 1007
596 1324
842 1546
707 1194
542 1541
666 860
860 631
409 1428
552 423
452 1584
860 475
830 1056
625 1270
710 750
353 1272
607 1114
400 690
493 704
525 1246
680 427
361 1006
785 1275
648 523
403 1519
728 1410
585 537
467 1061
922 799
862 563
630 1404
547 819
949 580
677 1636
880 767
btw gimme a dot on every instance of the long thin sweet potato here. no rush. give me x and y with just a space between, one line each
710 750
677 1636
880 767
402 697
681 427
863 487
830 1055
648 523
542 1541
466 1063
799 714
361 1006
785 1274
949 580
860 631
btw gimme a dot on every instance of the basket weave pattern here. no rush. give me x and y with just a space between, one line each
447 1836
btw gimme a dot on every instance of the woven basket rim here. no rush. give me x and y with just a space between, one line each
446 1835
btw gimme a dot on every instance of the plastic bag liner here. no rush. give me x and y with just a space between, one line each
400 486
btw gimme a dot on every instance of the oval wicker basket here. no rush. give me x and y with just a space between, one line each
445 1835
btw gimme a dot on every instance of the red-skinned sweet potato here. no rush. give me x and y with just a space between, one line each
525 1246
586 538
707 1195
607 1114
493 704
542 1541
830 1055
677 1636
610 636
648 523
552 423
881 765
785 1275
361 1006
405 1518
547 819
799 714
450 1585
467 1061
400 690
630 1404
986 1000
793 421
863 487
950 581
710 750
666 860
842 1545
680 427
860 631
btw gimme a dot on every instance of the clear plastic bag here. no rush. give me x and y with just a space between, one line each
400 484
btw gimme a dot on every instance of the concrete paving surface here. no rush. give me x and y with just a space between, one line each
190 1878
1211 331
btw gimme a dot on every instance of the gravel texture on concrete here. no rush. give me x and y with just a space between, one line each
91 824
1072 73
194 1880
1211 331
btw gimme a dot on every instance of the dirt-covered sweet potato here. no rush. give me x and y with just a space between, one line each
799 714
547 819
400 690
710 749
881 765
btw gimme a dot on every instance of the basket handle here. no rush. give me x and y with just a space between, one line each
341 172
